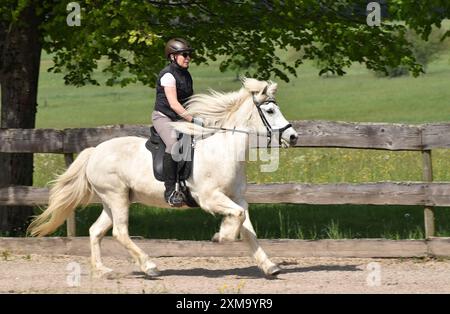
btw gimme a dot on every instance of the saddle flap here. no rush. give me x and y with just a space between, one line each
157 147
154 136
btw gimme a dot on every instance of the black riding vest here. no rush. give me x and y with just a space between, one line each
184 90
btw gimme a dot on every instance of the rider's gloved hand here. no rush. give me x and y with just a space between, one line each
197 120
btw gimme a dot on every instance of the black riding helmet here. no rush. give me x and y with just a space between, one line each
177 45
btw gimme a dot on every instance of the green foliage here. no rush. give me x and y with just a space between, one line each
428 50
424 51
131 35
242 67
332 230
421 16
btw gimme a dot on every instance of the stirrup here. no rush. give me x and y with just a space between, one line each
176 199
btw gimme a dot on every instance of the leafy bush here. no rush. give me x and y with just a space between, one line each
424 51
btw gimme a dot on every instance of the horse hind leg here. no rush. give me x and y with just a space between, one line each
96 233
119 204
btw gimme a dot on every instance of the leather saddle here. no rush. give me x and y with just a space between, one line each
186 155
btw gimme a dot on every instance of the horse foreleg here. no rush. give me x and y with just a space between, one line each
247 222
237 220
248 234
96 234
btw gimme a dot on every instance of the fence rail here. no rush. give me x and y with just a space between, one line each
422 138
360 248
384 193
311 134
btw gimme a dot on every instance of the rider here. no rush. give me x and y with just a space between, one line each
174 87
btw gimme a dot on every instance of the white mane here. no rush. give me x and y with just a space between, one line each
217 109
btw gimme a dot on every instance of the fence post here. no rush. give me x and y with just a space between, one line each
70 222
427 176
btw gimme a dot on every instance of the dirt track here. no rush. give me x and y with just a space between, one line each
49 274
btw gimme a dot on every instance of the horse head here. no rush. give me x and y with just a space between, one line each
266 113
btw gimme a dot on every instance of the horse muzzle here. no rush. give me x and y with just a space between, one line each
289 137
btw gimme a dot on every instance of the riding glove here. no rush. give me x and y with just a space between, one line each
197 120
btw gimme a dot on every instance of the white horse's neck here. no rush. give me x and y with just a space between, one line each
236 143
225 146
240 115
224 153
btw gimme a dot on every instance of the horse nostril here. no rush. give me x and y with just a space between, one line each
293 138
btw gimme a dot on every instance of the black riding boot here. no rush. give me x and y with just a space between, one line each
170 173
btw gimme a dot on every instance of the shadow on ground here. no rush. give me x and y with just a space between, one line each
251 272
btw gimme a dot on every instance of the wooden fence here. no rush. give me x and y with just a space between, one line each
395 137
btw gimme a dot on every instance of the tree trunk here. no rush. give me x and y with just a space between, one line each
20 53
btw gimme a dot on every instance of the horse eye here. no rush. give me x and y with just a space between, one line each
270 111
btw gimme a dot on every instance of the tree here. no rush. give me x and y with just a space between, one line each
424 51
131 35
20 48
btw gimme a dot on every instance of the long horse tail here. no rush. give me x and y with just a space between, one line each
69 190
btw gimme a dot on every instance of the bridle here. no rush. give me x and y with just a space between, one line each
269 128
266 123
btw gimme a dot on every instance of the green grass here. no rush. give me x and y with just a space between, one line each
359 96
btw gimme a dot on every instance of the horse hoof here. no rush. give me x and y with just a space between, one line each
215 237
153 272
273 271
103 272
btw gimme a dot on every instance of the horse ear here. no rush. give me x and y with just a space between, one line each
271 88
264 91
253 85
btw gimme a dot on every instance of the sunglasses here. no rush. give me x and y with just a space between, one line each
186 54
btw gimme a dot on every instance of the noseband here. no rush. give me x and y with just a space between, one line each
266 123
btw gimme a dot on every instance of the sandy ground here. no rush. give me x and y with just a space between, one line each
58 274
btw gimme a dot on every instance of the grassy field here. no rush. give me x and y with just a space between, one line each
359 96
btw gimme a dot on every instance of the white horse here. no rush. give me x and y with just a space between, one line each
119 171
